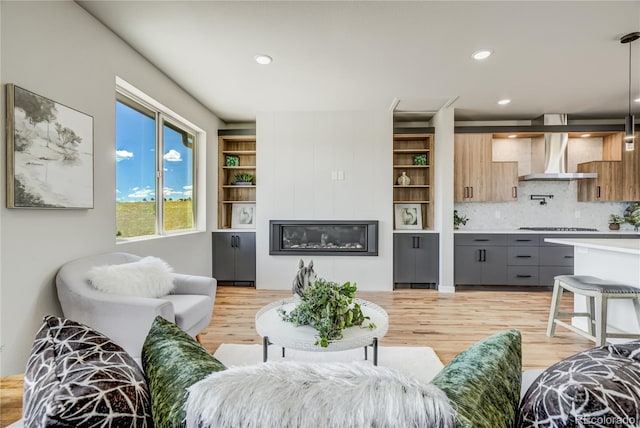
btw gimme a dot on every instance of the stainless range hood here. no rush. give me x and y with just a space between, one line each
555 147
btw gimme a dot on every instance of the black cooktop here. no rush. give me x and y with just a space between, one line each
560 229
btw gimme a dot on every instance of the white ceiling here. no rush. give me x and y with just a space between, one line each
550 56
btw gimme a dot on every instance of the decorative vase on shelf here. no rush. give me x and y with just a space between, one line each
404 180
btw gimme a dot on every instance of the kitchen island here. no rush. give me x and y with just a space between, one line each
612 259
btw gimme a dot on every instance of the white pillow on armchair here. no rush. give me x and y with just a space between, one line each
147 277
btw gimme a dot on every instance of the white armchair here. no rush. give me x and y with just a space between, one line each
127 319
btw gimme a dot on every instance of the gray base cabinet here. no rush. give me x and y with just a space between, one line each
480 259
514 259
415 260
234 257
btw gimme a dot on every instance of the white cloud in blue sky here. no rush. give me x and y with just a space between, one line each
139 193
123 155
173 156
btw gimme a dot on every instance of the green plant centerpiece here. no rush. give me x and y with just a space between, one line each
243 178
329 308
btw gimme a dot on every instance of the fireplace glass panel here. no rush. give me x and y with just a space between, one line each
324 237
344 238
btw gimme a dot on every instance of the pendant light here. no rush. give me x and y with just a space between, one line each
629 121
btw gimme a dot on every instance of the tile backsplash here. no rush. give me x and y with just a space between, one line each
562 210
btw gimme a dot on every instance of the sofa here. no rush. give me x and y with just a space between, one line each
181 384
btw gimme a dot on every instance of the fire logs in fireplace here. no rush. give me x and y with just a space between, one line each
335 238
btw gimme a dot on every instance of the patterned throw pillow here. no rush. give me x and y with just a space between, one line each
483 381
599 387
173 361
77 377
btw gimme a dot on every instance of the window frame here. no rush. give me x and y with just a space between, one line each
137 100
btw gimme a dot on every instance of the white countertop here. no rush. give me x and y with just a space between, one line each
630 246
551 232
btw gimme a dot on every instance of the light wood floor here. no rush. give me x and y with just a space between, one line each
448 323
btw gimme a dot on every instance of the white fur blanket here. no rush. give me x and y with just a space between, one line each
293 394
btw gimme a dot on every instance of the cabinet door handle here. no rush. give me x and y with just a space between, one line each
568 257
514 192
417 238
471 192
523 240
479 258
481 240
484 255
233 241
465 193
237 241
598 192
523 257
523 276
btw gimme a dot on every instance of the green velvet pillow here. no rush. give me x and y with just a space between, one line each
483 381
172 362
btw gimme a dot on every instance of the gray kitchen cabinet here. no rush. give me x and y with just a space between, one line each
480 259
234 257
521 259
415 260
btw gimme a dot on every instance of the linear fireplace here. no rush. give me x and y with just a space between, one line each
323 238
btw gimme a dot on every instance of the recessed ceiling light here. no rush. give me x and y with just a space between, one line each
586 135
512 136
263 59
481 54
504 102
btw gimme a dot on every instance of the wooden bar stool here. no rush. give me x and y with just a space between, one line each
598 292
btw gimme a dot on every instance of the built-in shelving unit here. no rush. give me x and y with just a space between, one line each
244 148
419 191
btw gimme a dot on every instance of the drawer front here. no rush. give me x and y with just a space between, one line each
523 239
522 275
486 239
523 256
556 256
547 273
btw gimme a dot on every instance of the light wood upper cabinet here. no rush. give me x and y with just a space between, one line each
504 181
604 188
631 172
472 167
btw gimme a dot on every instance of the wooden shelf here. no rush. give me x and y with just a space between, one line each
405 149
239 152
244 148
411 150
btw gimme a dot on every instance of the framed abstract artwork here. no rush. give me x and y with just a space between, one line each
243 216
49 153
408 216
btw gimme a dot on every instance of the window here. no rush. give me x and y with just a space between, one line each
155 170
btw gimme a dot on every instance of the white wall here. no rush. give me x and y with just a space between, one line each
59 51
296 154
444 177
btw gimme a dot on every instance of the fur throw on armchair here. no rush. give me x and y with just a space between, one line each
290 394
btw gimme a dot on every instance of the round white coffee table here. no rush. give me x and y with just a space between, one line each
275 331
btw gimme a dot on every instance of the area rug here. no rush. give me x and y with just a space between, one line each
420 362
